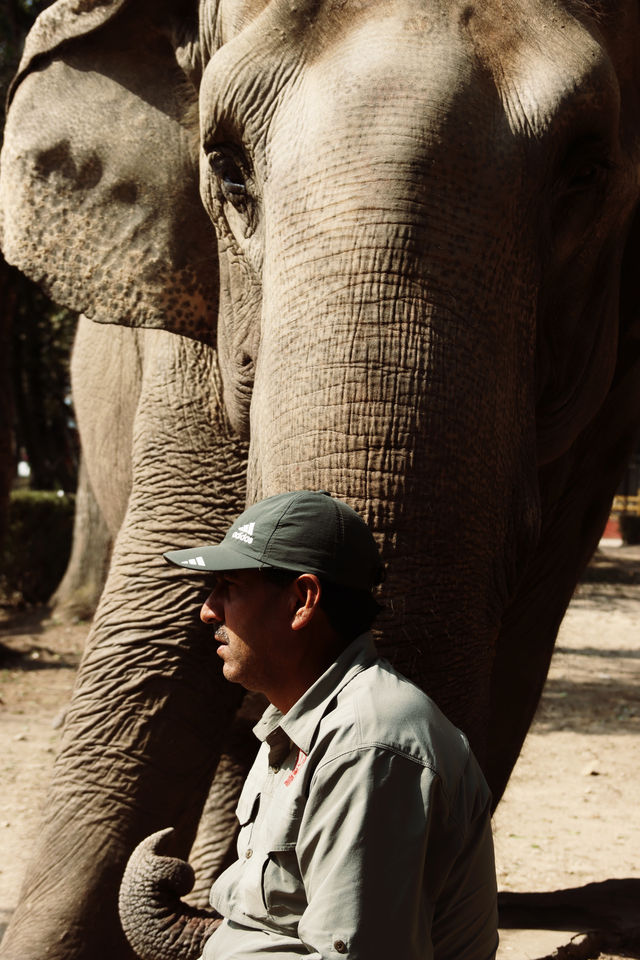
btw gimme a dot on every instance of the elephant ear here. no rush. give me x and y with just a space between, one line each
99 189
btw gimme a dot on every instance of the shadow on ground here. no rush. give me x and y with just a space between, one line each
592 707
607 914
34 657
19 620
618 565
20 649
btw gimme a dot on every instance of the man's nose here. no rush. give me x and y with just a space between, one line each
211 611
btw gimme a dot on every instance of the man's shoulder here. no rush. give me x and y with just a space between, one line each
381 707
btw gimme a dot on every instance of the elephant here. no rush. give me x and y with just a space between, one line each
385 249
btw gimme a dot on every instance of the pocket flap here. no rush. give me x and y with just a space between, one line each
247 806
283 834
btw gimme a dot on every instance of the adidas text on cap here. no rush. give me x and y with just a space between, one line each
304 531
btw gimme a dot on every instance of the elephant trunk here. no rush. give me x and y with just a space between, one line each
156 922
416 416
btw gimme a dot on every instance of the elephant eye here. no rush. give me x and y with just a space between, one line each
586 167
231 177
587 176
231 195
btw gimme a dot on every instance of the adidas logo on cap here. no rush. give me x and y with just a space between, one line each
244 533
302 530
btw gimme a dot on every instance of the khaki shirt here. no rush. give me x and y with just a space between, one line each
365 829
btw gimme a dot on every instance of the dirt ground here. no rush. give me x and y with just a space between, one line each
570 816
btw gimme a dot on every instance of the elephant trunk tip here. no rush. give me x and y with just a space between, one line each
156 922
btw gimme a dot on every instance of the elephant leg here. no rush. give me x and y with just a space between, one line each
215 844
150 706
577 492
107 367
79 590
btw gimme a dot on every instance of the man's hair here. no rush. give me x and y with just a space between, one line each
350 612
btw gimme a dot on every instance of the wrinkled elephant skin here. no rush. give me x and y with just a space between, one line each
387 249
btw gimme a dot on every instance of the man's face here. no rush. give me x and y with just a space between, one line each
252 616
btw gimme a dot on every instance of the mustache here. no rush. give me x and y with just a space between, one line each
221 635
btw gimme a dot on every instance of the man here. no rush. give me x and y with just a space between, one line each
364 821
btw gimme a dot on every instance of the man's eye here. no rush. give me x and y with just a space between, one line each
229 582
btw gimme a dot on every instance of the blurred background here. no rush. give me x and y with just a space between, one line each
39 447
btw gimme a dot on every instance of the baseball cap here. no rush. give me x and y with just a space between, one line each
306 531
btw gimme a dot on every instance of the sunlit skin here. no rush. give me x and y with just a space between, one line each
273 639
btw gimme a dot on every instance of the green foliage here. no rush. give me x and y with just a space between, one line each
629 527
37 544
44 429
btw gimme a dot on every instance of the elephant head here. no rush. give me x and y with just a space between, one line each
385 249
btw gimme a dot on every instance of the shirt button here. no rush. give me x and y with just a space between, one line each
340 946
249 853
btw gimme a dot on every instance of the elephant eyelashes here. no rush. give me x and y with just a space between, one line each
587 176
231 178
234 203
587 167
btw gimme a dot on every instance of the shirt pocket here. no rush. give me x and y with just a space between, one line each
242 890
283 893
246 813
236 892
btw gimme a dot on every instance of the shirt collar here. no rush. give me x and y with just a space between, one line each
301 721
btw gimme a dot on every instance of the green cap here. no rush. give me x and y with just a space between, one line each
305 531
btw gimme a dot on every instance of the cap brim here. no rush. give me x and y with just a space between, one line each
214 558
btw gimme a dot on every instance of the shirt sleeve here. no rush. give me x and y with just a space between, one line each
362 848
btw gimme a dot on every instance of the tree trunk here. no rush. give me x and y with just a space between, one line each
82 584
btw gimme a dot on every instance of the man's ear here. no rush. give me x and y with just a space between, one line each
307 592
